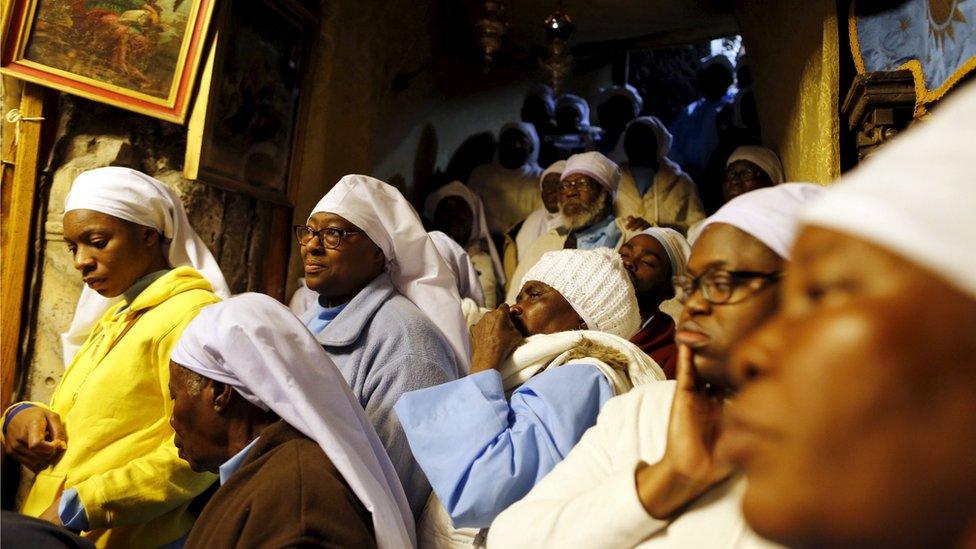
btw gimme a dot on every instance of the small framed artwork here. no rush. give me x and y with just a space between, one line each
137 55
247 120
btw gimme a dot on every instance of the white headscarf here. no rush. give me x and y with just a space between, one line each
549 219
416 268
579 104
135 197
457 259
769 214
556 167
257 346
664 138
625 90
603 170
916 196
674 245
479 224
532 163
762 157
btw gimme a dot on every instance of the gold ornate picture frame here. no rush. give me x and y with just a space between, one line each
141 57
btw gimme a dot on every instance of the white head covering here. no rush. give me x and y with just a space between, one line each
675 245
416 268
457 259
257 346
664 138
596 165
916 196
479 224
578 103
529 131
135 197
627 91
556 167
762 157
596 284
769 214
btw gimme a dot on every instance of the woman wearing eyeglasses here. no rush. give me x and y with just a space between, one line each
647 475
388 311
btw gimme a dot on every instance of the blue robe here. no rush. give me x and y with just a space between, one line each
482 451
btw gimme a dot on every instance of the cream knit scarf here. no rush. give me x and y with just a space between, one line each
623 364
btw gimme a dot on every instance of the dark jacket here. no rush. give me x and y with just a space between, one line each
287 493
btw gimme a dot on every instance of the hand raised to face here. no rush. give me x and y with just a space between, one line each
493 338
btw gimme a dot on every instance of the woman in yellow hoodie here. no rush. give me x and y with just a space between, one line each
103 448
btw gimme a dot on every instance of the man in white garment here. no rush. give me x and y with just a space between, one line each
587 187
654 192
619 487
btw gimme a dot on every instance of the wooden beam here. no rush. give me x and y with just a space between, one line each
17 210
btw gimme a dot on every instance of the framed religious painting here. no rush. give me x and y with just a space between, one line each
140 55
246 123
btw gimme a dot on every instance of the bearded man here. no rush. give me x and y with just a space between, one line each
586 192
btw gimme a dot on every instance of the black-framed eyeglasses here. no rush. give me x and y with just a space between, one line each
719 286
330 237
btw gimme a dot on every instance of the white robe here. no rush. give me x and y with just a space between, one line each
508 195
671 201
590 499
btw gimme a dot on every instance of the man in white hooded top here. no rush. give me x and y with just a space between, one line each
619 487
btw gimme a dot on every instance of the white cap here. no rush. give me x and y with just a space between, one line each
769 215
766 159
603 170
674 244
596 284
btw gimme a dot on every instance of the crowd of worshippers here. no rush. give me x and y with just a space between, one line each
797 372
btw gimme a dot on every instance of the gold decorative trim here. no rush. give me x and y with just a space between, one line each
923 95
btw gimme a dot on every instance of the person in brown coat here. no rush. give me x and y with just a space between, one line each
257 400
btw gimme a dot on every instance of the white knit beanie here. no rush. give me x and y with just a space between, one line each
596 284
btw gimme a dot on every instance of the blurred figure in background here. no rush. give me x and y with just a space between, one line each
457 212
545 219
508 186
653 190
695 130
616 107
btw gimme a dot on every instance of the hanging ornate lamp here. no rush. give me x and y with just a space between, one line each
490 27
559 63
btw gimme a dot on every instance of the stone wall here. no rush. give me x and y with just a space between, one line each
91 135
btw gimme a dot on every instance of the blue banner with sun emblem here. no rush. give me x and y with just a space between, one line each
935 39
